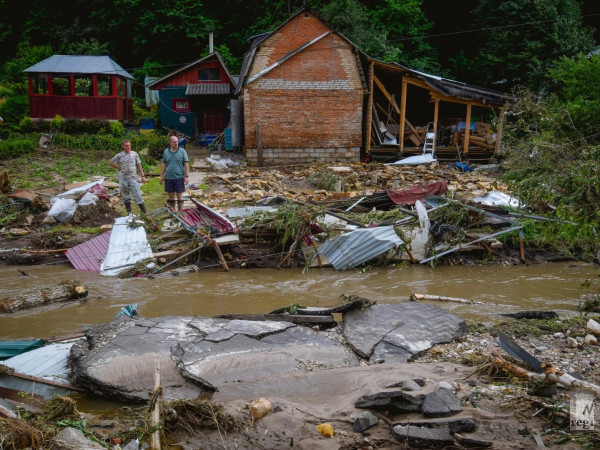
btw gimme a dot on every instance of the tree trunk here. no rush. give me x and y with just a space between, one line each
69 290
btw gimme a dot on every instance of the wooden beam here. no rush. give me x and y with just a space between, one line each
386 93
467 130
402 114
436 111
499 132
369 119
437 96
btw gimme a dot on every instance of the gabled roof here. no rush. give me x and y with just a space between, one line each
84 64
256 40
213 55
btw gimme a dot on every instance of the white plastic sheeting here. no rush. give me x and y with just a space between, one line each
497 198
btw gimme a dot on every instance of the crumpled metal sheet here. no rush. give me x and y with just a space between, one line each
351 249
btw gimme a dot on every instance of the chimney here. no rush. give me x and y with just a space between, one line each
210 42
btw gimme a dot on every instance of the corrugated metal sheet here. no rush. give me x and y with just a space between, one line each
208 89
128 245
79 64
351 249
88 257
49 361
203 215
41 373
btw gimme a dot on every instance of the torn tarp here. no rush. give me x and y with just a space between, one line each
351 249
410 195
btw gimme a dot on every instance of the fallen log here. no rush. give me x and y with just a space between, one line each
438 298
301 319
69 290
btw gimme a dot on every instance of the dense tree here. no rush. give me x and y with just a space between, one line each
521 38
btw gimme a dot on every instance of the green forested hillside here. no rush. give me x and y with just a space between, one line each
479 41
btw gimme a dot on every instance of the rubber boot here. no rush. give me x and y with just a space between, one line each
171 204
128 207
179 205
142 207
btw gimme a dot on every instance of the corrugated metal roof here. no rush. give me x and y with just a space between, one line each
49 362
78 64
88 257
351 249
128 245
208 89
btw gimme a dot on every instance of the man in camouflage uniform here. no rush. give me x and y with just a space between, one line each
128 163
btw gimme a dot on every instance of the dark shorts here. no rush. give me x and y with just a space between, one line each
176 185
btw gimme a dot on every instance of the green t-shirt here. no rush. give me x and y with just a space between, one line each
175 163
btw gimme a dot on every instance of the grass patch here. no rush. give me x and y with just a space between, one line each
538 327
65 229
154 194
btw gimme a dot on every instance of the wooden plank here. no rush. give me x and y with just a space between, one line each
499 132
386 93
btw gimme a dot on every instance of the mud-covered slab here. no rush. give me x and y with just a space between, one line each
196 354
399 332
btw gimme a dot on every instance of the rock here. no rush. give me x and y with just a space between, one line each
18 231
423 437
396 401
326 429
364 421
260 408
444 385
591 340
548 390
472 443
441 403
572 342
73 439
540 349
400 332
410 385
558 335
593 327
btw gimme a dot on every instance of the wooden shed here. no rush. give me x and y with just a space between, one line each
404 105
79 87
302 89
194 100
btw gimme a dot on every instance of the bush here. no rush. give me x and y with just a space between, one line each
57 123
26 125
117 129
13 148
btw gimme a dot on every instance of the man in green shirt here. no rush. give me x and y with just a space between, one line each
175 170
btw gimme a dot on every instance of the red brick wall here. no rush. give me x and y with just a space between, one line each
313 100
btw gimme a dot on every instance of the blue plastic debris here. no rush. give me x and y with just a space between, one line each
129 311
461 166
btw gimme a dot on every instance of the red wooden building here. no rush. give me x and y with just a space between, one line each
80 87
194 100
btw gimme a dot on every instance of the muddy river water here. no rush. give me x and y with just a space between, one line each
554 286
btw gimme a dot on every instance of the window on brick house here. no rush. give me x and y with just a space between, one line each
181 105
209 74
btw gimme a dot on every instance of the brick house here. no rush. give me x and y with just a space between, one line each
303 90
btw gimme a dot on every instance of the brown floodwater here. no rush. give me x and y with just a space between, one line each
554 286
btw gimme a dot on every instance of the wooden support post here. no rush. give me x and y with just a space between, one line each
467 130
259 154
369 118
402 115
499 132
436 111
155 445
